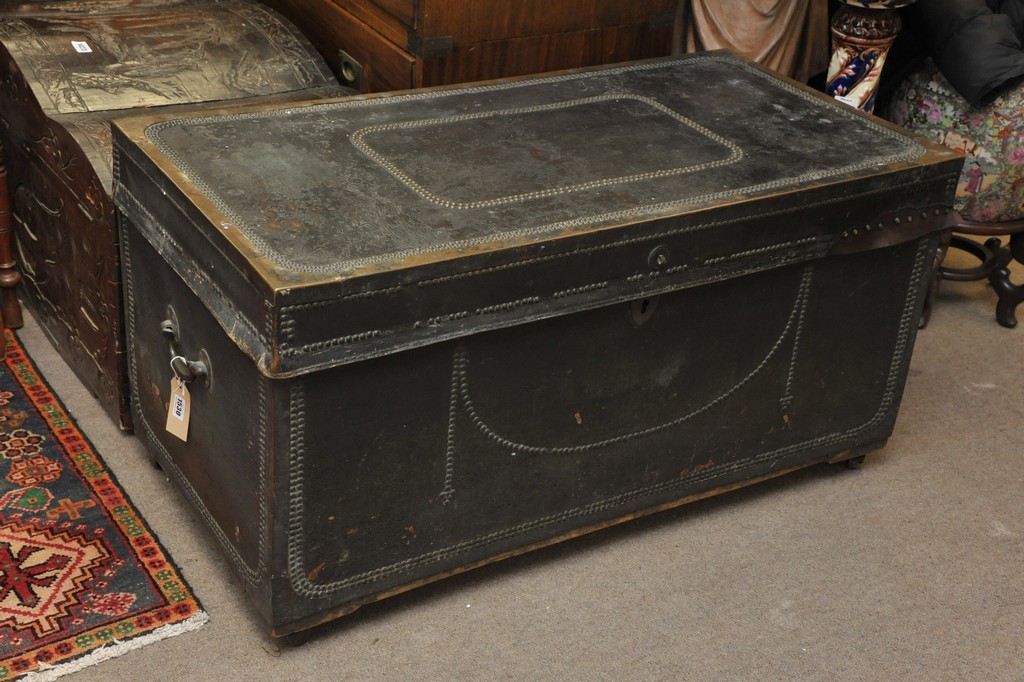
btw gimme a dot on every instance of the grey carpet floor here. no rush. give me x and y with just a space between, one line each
908 568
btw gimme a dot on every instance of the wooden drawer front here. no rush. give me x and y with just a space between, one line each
399 44
536 54
380 63
517 18
406 22
394 19
403 10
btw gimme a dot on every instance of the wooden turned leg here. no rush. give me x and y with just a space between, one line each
1010 295
10 311
1017 246
862 34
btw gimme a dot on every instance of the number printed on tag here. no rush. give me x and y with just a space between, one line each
178 410
179 407
81 46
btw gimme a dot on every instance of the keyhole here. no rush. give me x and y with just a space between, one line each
642 309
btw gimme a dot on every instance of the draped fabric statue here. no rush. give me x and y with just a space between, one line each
790 37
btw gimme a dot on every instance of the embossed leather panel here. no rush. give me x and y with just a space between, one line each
68 68
141 56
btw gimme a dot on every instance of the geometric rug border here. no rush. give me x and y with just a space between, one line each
105 652
182 612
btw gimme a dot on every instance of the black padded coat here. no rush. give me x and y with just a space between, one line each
977 44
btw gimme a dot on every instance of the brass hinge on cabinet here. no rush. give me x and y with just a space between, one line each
430 48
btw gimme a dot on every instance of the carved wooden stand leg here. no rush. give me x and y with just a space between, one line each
1010 295
10 311
994 262
862 33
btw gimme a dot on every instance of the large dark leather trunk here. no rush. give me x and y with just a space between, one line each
67 69
440 328
378 45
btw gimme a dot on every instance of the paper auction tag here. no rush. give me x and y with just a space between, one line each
178 410
81 46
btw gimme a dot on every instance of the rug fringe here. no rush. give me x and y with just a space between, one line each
117 648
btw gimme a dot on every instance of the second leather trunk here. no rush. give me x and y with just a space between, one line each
67 70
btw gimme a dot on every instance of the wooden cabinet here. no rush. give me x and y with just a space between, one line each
376 45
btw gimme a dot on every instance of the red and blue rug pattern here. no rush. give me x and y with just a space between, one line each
82 577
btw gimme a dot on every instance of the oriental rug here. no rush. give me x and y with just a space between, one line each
82 578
